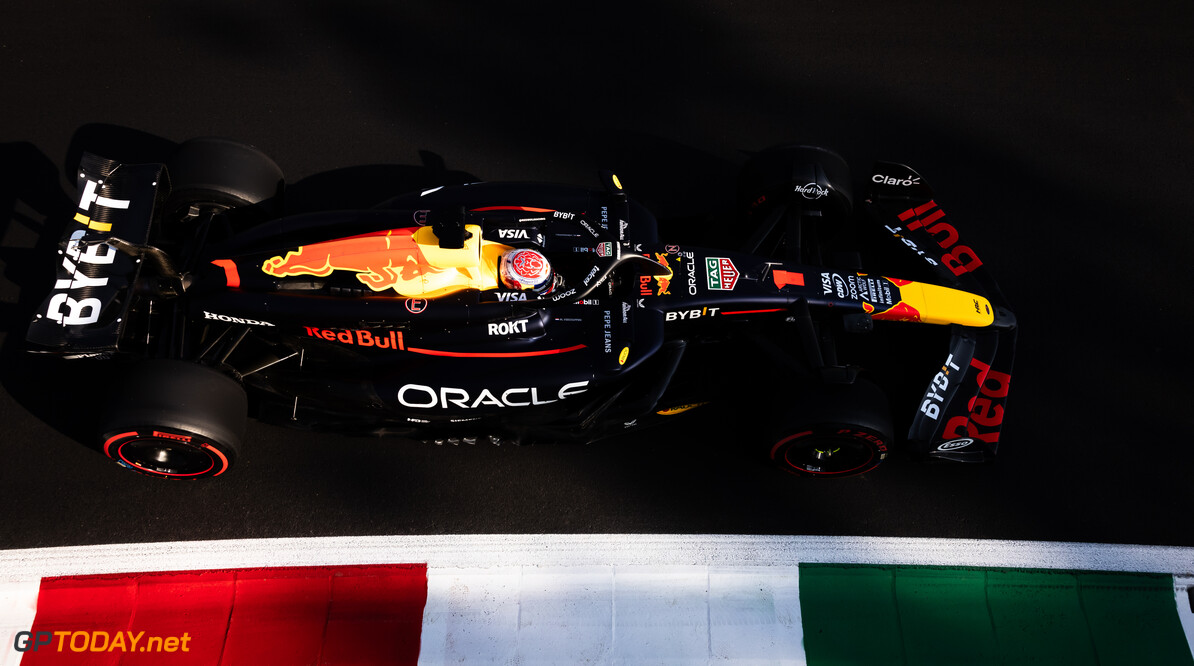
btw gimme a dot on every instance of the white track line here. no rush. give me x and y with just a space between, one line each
486 551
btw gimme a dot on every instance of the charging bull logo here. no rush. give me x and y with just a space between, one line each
381 260
663 283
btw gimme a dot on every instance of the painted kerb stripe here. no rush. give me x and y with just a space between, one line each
614 598
914 615
326 615
382 615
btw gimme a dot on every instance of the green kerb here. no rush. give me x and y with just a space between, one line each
927 615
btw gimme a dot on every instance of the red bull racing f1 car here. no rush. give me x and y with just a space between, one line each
510 313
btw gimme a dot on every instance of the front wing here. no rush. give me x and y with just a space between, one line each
961 413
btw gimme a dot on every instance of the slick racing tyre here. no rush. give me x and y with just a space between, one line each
815 178
176 420
795 198
212 174
835 432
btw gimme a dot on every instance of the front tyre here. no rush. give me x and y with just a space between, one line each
169 453
808 177
830 450
176 420
797 199
833 431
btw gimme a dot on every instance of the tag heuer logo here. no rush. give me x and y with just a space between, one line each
721 273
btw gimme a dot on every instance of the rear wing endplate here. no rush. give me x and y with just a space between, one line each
87 309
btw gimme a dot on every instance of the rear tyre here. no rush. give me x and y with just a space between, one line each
834 432
176 420
216 175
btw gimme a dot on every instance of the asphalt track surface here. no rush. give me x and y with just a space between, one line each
1059 141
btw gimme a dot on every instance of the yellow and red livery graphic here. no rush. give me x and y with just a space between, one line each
663 283
893 299
409 261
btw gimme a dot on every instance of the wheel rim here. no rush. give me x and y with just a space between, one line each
826 455
166 455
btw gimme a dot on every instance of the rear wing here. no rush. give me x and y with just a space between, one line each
961 414
86 311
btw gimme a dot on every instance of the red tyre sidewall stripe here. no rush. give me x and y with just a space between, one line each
120 457
113 438
221 456
802 470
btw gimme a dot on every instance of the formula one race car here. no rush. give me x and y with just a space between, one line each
508 313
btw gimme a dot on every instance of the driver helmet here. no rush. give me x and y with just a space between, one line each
525 269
